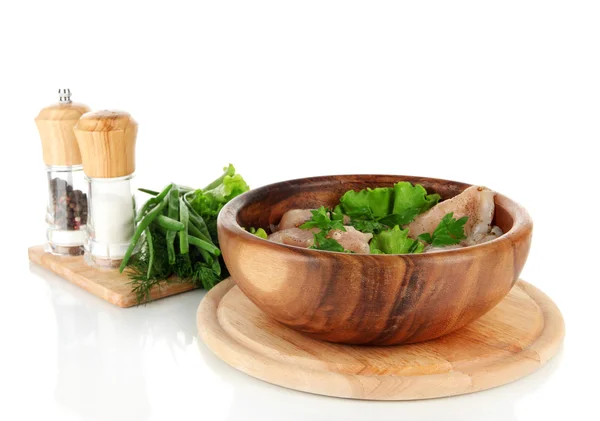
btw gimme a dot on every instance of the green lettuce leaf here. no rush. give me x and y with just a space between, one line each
410 201
395 241
259 232
389 206
208 202
368 203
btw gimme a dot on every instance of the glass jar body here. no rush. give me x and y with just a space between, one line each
67 210
111 223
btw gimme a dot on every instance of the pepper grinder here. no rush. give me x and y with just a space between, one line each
67 210
107 144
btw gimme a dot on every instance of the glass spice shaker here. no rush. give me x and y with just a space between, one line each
67 209
107 143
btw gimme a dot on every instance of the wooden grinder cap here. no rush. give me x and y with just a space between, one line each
107 143
55 124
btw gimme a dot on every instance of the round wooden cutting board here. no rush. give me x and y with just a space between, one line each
514 339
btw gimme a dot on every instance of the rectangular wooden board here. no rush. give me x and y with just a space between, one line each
108 284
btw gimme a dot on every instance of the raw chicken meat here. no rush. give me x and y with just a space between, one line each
475 202
294 218
294 237
352 239
431 249
493 234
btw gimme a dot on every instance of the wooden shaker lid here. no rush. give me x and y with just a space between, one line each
107 143
55 124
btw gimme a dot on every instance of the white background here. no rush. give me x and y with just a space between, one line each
504 94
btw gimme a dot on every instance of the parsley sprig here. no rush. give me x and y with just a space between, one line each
321 219
324 243
368 225
449 231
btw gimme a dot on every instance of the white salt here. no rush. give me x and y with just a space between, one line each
111 217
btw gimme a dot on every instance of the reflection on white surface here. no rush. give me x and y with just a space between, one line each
108 357
145 363
92 374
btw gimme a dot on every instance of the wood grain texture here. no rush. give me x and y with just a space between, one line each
55 125
107 143
367 299
108 284
515 338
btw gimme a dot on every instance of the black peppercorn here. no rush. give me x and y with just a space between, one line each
69 206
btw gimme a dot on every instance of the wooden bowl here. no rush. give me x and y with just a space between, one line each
361 298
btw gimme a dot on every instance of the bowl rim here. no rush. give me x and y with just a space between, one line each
227 219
